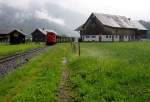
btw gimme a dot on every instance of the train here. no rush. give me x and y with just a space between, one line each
52 38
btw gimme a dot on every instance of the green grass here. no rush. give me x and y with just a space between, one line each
37 81
111 72
105 72
7 50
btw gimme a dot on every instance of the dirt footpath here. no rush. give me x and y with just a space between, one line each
63 95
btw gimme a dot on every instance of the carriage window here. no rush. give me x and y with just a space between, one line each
93 37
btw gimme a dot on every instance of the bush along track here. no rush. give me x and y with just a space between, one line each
38 81
10 50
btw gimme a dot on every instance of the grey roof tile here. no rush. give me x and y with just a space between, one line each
119 21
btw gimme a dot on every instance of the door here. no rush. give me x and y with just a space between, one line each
121 38
100 38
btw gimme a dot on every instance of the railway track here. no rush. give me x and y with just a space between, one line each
10 63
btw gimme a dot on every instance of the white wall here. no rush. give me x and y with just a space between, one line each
90 38
116 37
130 38
106 38
126 38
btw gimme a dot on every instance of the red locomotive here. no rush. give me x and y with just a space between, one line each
51 38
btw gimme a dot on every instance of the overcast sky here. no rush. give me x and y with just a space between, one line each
135 9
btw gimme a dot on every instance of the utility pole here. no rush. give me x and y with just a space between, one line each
79 48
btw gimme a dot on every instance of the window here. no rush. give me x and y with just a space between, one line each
16 34
87 37
109 36
93 36
106 36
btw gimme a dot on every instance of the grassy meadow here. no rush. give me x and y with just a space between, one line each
105 72
7 50
111 72
36 81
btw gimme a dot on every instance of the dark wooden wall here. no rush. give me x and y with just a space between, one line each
4 38
16 37
141 34
92 26
38 36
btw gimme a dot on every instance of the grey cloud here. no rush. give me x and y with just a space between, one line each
26 19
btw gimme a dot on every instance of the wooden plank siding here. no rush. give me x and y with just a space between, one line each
38 36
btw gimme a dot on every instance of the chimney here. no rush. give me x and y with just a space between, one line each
43 29
129 19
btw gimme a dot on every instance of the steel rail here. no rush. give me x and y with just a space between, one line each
10 63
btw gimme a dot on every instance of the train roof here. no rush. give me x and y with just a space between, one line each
51 31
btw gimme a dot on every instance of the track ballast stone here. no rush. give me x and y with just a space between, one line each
10 63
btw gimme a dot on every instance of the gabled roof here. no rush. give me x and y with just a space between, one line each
114 21
18 31
41 30
117 22
138 25
44 31
9 30
79 28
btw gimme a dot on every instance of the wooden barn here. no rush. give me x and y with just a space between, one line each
39 35
104 27
16 37
4 35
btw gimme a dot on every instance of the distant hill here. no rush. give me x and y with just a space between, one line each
146 24
28 20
